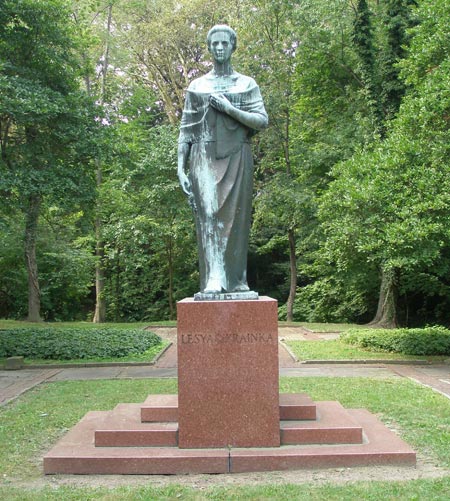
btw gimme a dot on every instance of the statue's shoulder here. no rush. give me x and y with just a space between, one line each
198 84
201 84
244 82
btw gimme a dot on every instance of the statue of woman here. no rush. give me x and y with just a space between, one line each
223 110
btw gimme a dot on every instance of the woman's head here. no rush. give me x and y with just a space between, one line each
222 28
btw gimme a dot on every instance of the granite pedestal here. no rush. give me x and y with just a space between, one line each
228 374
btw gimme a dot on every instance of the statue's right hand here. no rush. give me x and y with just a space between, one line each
185 183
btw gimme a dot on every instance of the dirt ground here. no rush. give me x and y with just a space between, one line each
425 469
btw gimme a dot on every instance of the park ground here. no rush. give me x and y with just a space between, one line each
35 393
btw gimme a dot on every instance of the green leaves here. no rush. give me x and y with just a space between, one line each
71 343
422 342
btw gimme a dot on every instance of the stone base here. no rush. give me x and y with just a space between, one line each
228 373
228 415
119 442
226 296
14 363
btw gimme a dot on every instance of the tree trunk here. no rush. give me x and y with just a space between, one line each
170 272
34 292
100 305
386 315
293 273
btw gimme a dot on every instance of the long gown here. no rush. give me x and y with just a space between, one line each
221 176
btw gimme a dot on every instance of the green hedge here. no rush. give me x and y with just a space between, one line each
428 341
72 343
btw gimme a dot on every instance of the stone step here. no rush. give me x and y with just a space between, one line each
296 406
76 453
334 425
380 447
160 408
122 427
164 408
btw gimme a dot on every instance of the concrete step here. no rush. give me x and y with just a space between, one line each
296 406
122 427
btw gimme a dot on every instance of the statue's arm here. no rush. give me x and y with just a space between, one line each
184 150
252 120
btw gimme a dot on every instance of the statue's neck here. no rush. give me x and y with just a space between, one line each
223 69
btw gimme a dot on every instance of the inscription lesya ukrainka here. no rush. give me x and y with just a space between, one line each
226 338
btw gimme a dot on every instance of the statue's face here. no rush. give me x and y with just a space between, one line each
220 46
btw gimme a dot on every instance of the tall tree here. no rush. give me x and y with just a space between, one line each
96 20
363 40
167 40
44 120
383 91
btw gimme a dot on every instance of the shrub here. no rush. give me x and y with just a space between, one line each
433 340
73 343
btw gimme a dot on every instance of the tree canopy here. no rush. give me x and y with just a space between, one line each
352 191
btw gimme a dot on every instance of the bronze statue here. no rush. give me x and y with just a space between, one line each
223 110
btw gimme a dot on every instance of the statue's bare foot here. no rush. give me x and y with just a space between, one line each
242 288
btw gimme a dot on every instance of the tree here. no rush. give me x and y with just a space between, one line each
45 122
149 235
383 90
390 205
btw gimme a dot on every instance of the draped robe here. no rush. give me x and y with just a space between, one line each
221 176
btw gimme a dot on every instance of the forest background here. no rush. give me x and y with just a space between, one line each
352 183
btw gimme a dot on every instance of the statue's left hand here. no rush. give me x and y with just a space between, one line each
220 103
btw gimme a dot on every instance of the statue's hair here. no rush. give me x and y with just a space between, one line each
226 29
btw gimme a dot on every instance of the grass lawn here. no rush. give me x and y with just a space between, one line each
337 350
32 423
426 490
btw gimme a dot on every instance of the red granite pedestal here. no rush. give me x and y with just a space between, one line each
228 374
228 416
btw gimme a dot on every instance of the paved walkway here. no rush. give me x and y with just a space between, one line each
14 383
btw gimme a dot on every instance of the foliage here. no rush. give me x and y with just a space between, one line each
65 265
388 205
300 55
427 341
148 231
47 125
336 298
66 344
167 39
351 179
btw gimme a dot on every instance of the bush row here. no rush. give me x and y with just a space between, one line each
433 340
73 343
